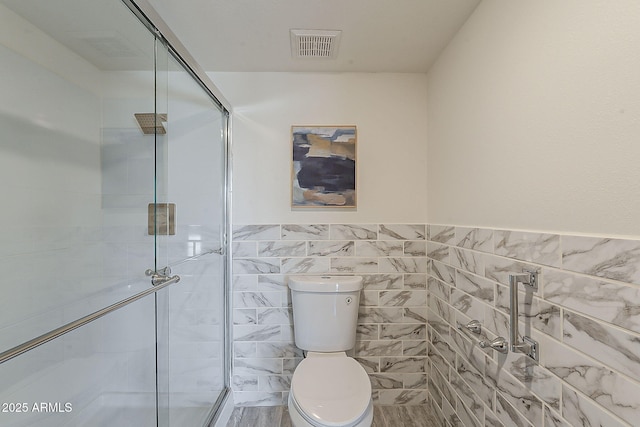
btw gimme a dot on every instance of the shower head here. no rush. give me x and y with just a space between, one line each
151 123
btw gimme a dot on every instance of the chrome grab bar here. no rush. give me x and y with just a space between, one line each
51 335
527 345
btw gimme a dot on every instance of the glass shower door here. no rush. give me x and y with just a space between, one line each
113 165
78 175
191 315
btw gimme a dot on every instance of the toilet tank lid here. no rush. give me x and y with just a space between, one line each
325 283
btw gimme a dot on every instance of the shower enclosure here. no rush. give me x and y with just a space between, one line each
114 221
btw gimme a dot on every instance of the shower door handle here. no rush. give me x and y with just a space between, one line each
159 279
162 276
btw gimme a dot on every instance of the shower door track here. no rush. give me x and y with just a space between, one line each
51 335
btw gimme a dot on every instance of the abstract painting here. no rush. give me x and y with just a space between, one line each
324 166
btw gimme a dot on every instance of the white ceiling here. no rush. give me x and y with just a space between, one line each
377 35
253 35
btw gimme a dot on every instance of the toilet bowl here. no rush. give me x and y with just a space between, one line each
330 389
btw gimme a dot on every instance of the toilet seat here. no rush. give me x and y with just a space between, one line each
331 389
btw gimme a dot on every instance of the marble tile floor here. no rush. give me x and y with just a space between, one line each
383 416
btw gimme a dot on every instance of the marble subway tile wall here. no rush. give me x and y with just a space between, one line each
391 339
585 316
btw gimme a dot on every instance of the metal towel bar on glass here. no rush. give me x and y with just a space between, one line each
167 270
44 338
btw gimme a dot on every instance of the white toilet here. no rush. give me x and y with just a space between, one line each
328 388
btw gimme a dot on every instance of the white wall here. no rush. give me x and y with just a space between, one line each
389 111
534 119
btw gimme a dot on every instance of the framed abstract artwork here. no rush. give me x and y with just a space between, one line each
323 171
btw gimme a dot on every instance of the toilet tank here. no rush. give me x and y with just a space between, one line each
325 311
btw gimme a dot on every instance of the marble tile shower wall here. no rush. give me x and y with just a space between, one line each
391 339
585 316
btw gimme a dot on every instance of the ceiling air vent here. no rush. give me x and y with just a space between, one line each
314 43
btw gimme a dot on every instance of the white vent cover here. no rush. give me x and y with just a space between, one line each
315 43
